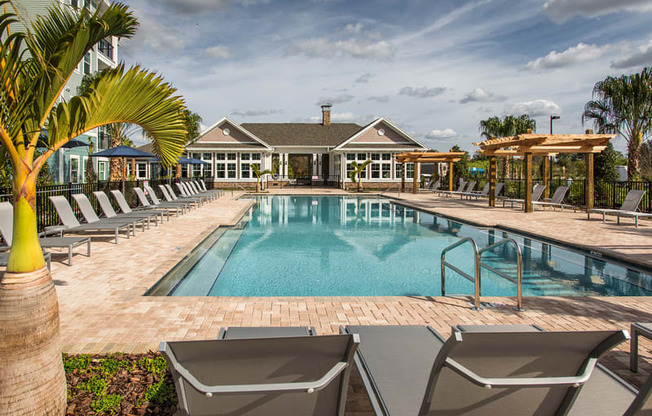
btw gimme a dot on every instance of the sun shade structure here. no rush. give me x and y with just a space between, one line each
531 144
428 157
122 151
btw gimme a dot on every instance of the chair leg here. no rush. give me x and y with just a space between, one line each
70 255
633 351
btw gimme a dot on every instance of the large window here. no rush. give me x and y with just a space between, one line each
381 166
207 157
409 170
247 160
359 158
142 170
101 170
225 166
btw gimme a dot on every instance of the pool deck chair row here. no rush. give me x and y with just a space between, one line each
262 372
629 208
537 192
492 370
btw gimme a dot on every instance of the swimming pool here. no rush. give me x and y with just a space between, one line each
356 246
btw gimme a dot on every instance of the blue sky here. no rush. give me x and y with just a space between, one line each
435 68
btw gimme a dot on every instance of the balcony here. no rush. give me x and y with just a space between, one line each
105 48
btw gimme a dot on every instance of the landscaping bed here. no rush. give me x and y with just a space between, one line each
119 384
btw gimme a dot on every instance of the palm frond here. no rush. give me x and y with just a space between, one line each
132 96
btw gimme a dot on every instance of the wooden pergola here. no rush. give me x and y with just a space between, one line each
427 157
528 145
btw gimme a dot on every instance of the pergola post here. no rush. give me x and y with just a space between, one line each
528 182
492 181
450 176
415 186
402 177
546 176
589 186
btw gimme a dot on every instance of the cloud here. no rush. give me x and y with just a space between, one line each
571 56
481 95
561 10
441 134
364 78
421 92
336 99
641 58
379 98
151 35
536 108
219 52
339 118
354 48
202 6
253 112
353 28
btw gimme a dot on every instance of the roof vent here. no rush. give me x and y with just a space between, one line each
326 114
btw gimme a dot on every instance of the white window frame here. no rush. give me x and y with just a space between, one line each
74 179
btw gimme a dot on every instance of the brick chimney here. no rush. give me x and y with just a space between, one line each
326 114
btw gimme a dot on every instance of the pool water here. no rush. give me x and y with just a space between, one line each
356 246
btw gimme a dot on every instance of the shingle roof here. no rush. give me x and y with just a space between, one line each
302 134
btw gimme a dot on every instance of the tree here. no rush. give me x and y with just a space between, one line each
511 125
461 168
193 125
35 66
259 174
623 106
646 160
605 164
357 170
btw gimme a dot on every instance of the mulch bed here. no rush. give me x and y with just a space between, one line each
119 384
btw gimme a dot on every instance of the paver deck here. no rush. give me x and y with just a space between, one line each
103 308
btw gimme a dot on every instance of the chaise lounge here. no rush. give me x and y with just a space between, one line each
627 209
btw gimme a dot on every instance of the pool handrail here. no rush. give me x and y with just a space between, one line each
519 269
476 263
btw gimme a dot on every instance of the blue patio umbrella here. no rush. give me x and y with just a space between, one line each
122 151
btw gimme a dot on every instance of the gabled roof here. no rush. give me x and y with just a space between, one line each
409 141
302 134
254 138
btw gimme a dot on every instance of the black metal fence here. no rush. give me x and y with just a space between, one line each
46 214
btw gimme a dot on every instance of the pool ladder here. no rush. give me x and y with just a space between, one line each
479 264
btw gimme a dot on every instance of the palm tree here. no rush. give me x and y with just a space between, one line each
357 170
509 126
623 106
259 174
35 66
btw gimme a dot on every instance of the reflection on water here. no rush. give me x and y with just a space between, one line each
348 246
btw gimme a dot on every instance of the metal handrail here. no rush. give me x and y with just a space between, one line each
475 280
519 269
392 187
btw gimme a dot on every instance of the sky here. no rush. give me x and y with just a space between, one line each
435 68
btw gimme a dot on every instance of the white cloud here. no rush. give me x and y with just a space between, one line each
203 6
364 78
640 58
561 10
353 28
441 134
336 99
253 112
341 118
361 49
152 35
219 52
379 98
481 95
580 53
421 92
536 108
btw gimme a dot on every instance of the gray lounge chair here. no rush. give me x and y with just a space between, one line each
460 188
638 329
537 192
202 187
245 374
109 212
185 193
557 200
7 230
195 191
469 187
413 370
430 186
91 216
154 198
627 209
174 207
67 216
170 196
125 208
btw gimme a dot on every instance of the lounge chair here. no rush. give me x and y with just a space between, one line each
154 198
483 192
557 200
109 212
170 206
91 216
460 188
431 186
469 187
638 329
627 209
185 193
4 258
195 191
413 370
202 187
7 230
170 196
537 191
125 208
67 216
242 373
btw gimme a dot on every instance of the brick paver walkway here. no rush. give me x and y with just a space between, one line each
103 310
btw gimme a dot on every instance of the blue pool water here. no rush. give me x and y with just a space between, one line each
350 246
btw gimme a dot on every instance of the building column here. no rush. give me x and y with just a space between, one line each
589 190
314 164
492 181
402 177
450 176
415 176
546 176
319 166
528 182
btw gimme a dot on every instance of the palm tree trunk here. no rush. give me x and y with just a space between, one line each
33 381
634 156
